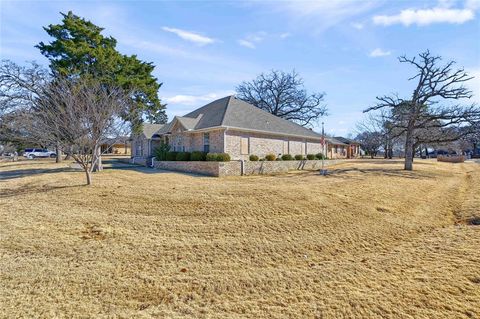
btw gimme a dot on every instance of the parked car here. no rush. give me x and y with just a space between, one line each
38 152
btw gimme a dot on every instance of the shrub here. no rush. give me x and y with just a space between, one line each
310 156
160 152
218 157
320 156
223 157
278 159
171 156
270 157
253 158
287 157
211 157
299 157
183 156
198 156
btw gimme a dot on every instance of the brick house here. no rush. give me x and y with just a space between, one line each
348 147
229 125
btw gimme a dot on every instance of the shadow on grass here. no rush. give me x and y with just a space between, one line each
6 175
33 189
394 172
354 173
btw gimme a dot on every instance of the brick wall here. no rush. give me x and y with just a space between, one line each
193 141
204 168
234 168
262 144
144 145
277 167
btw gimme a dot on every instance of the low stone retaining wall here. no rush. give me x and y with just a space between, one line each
204 168
234 168
275 167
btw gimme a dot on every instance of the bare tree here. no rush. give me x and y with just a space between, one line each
422 112
376 131
284 95
80 114
19 86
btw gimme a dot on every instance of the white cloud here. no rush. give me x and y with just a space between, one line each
190 36
285 35
423 17
356 25
472 4
379 53
246 44
320 15
195 99
251 40
474 84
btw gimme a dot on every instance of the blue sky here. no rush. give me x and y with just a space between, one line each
203 49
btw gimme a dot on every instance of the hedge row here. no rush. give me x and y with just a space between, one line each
288 157
197 156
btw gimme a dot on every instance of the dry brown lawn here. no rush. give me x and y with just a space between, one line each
368 241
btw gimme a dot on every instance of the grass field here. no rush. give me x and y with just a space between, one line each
368 241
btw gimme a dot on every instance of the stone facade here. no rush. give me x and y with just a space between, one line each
278 167
238 168
140 147
241 144
216 169
238 144
182 140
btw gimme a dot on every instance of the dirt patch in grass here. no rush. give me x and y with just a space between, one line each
367 241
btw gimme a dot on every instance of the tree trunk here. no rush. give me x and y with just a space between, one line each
58 153
409 151
97 160
68 156
89 177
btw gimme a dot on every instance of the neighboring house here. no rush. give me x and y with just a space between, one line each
336 149
230 125
353 147
120 145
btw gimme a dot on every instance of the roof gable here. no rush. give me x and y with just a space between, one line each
149 129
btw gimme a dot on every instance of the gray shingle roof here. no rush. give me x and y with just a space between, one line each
345 140
150 129
235 113
334 140
246 116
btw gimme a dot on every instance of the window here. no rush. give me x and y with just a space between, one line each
178 143
244 146
138 149
206 142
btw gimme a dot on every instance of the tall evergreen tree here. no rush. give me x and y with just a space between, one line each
80 49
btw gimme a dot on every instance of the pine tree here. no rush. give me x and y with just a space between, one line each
80 49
